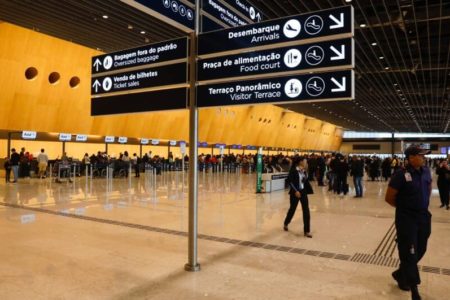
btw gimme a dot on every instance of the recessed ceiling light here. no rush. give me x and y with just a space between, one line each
387 68
381 57
105 17
362 25
142 32
348 1
374 44
130 27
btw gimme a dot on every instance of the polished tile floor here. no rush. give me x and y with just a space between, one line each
126 239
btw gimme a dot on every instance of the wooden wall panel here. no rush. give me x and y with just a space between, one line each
38 105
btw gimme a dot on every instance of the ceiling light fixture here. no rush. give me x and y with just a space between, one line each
374 44
105 17
387 68
381 57
142 32
362 25
130 27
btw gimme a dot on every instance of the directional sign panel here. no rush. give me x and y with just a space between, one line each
338 53
310 87
140 79
246 9
173 12
141 102
209 25
222 13
141 56
322 24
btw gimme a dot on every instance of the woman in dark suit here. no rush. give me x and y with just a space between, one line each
443 183
299 190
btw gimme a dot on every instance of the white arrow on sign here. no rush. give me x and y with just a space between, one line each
97 63
96 85
339 23
258 17
340 54
341 87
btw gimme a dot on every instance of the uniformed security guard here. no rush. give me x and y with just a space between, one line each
409 192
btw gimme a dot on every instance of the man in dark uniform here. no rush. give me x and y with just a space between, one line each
409 192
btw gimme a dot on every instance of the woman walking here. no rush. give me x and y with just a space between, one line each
299 190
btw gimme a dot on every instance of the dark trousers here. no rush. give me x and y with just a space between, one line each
413 231
443 192
136 170
358 185
331 178
341 184
7 175
305 208
320 179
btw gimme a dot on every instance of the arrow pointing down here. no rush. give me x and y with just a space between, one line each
96 85
340 54
339 23
341 87
97 63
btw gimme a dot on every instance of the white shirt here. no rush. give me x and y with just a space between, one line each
301 176
42 158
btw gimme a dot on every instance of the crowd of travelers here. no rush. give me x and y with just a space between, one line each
331 169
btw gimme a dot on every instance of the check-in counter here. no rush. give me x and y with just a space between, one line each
274 181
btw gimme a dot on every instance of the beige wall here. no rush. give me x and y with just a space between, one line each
39 106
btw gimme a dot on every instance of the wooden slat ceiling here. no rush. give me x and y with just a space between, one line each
402 52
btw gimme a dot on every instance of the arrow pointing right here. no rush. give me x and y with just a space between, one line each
340 54
340 87
97 63
96 85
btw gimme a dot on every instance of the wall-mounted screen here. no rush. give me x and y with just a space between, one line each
81 138
65 137
29 135
109 139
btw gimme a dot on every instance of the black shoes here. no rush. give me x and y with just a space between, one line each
415 293
404 287
285 228
308 235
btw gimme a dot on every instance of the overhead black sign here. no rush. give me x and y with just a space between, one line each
246 9
309 87
295 58
142 102
140 79
145 55
312 25
222 13
174 11
209 25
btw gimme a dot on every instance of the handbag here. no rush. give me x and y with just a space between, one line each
308 188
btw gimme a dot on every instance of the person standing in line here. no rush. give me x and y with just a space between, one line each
321 168
299 190
42 159
409 192
7 166
443 183
357 171
15 159
136 161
